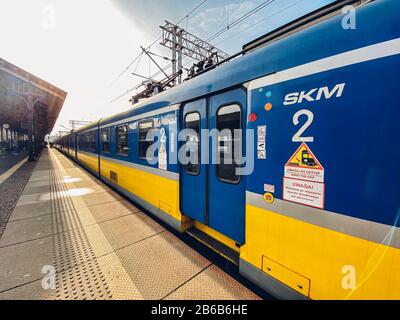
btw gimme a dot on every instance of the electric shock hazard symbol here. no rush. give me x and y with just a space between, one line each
304 179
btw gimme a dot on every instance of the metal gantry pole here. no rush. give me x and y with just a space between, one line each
179 49
173 48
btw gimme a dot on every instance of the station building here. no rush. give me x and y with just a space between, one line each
29 108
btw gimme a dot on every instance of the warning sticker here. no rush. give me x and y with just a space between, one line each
304 192
304 165
162 152
261 155
162 157
261 138
304 179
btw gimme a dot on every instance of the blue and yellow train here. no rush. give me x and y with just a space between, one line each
318 216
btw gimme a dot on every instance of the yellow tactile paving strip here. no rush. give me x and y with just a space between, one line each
71 237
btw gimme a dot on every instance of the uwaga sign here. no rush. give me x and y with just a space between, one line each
303 182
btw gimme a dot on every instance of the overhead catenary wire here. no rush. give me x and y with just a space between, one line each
229 27
215 35
133 61
159 55
138 63
153 43
193 10
258 22
222 31
240 20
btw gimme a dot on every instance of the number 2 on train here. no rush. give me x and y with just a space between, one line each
298 135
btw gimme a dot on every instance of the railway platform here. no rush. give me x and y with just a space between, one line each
72 237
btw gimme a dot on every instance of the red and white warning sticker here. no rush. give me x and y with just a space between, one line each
304 179
304 192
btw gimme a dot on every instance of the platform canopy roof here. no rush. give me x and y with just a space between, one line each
20 89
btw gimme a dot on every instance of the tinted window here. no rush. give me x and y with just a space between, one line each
72 142
122 140
92 141
105 140
82 141
88 140
192 122
145 137
228 120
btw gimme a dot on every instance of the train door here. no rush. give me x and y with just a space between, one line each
68 144
194 173
214 193
76 146
226 187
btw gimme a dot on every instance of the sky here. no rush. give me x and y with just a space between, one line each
82 46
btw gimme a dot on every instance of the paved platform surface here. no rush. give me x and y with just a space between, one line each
71 237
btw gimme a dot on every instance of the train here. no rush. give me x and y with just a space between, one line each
312 209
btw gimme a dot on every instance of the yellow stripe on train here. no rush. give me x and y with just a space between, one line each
88 160
315 261
162 193
332 264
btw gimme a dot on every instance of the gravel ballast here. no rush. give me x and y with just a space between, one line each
10 191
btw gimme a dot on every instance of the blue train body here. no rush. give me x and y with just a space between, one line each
326 169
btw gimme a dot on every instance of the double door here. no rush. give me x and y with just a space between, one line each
212 190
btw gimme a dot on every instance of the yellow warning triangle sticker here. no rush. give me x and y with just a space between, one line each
304 158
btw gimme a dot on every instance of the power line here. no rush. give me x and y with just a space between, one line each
258 22
212 37
145 51
133 61
240 19
183 43
138 63
154 42
229 26
187 16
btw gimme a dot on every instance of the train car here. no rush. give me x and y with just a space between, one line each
315 212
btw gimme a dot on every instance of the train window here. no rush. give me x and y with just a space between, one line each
88 141
192 122
92 141
122 140
82 141
72 142
227 121
105 142
145 137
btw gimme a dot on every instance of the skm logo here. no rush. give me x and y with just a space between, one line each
315 94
